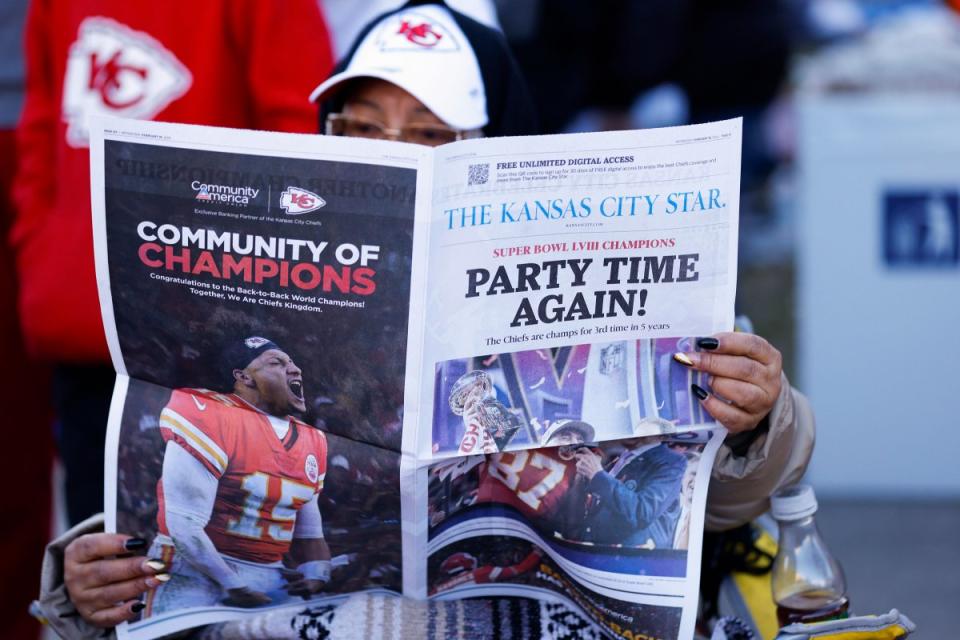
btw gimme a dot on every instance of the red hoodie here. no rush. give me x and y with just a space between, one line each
231 63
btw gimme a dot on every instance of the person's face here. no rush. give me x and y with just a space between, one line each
567 437
379 109
277 380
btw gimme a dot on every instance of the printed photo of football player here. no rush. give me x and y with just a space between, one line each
238 518
542 484
463 568
628 496
537 483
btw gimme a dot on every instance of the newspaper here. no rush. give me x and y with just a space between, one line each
354 365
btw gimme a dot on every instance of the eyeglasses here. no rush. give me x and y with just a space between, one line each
432 135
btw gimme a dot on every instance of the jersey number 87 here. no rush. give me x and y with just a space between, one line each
510 468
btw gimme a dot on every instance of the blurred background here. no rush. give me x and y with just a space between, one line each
849 242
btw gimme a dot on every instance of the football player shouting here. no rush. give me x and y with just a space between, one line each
238 515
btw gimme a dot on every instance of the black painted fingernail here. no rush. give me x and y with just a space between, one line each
708 343
138 607
135 544
699 391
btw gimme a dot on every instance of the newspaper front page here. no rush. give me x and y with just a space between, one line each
350 365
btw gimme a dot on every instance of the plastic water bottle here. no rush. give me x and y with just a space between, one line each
808 582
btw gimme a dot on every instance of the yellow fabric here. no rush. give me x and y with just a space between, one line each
757 594
887 633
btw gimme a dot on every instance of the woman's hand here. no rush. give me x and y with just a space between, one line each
744 378
104 586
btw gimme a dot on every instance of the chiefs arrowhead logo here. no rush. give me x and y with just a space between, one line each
411 31
422 34
112 69
296 201
312 468
255 342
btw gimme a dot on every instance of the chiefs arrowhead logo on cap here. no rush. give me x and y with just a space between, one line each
255 342
414 31
422 34
426 53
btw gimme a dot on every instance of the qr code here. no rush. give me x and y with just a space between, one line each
478 174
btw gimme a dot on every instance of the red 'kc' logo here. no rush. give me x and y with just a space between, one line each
302 200
421 34
106 78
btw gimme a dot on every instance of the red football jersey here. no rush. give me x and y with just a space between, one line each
534 482
489 573
263 481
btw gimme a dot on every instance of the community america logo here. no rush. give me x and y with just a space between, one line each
296 201
114 70
227 194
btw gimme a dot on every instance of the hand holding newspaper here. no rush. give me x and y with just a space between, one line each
349 365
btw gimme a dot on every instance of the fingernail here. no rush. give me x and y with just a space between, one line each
699 391
135 544
138 607
683 359
708 343
165 577
156 565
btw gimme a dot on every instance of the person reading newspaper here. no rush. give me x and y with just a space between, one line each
433 96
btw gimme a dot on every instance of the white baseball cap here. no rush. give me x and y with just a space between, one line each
586 430
422 50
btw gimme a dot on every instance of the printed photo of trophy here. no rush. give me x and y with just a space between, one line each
489 424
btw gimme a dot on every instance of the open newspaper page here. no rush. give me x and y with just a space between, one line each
570 456
256 291
351 365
